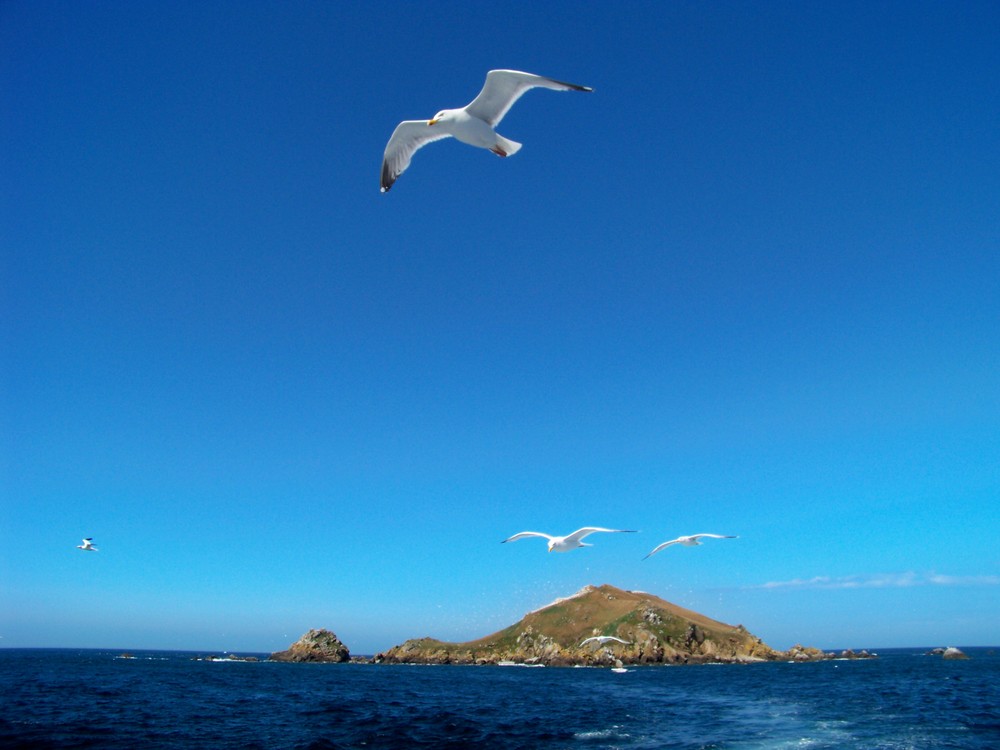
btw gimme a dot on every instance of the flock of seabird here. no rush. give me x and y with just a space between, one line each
475 124
575 540
555 543
472 124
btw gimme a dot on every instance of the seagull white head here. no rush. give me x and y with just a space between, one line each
445 115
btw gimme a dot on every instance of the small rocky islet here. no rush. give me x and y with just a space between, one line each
315 646
654 631
950 652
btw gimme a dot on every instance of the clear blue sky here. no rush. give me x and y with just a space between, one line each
750 285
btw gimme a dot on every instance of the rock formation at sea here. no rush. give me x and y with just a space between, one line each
655 632
314 646
951 652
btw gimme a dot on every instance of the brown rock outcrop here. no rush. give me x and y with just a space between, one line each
314 646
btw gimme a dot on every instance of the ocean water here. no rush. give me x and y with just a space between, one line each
88 698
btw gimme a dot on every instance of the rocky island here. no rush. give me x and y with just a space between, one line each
597 626
606 626
314 646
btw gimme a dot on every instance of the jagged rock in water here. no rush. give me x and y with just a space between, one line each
314 646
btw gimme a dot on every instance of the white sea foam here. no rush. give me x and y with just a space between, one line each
602 734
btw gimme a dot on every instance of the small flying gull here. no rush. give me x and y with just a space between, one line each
88 545
568 542
687 541
473 124
602 639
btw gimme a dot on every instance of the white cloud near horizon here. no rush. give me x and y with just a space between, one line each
880 580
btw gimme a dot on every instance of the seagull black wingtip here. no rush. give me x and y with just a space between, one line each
573 86
386 178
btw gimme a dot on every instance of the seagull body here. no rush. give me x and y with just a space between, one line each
88 545
568 542
688 541
602 639
472 124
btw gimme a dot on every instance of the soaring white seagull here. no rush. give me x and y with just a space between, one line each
88 545
602 639
568 542
473 124
688 541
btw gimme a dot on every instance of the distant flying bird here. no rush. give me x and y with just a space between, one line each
602 639
688 541
88 545
569 542
473 124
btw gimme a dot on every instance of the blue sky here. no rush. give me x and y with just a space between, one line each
750 286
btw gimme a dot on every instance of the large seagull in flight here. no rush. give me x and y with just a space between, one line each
473 124
568 542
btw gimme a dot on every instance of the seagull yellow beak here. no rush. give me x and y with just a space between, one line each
431 122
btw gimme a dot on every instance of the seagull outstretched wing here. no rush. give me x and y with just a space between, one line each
658 547
408 136
504 87
579 534
525 534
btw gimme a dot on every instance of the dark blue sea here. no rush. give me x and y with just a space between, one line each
95 699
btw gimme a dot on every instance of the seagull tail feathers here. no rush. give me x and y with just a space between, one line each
508 146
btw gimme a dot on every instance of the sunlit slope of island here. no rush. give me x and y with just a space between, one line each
654 630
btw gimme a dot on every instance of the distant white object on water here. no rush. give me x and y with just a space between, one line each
88 545
688 541
602 639
568 542
472 124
